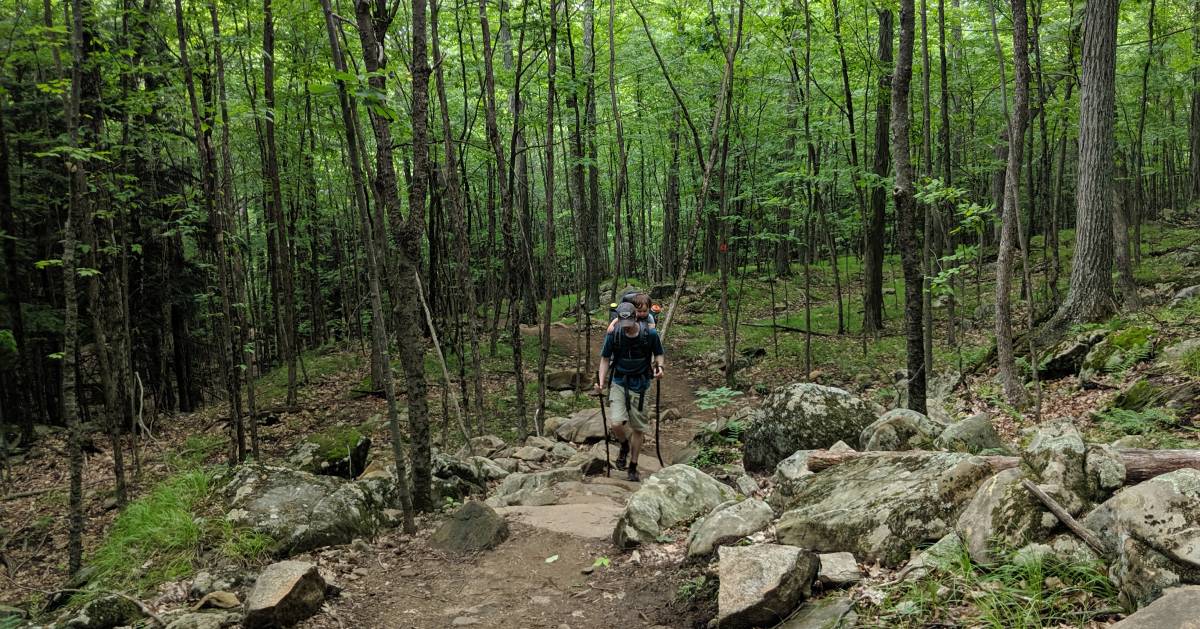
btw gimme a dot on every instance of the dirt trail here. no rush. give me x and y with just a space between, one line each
537 577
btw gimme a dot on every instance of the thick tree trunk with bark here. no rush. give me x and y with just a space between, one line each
873 256
1090 296
906 213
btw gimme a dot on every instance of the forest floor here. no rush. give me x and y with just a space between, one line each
399 581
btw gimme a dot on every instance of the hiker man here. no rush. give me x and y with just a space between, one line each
635 357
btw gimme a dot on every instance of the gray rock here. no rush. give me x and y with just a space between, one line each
727 523
105 612
1184 294
1002 515
473 527
1119 350
802 416
531 454
564 380
509 464
1105 470
761 585
588 463
838 569
585 426
216 619
486 445
1177 609
284 594
1065 358
205 583
448 467
544 443
302 511
1172 357
831 612
337 451
453 489
973 434
793 468
880 506
671 496
533 489
487 469
941 554
1151 529
899 429
746 485
552 423
561 450
1056 459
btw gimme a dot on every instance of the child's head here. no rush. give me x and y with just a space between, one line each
641 302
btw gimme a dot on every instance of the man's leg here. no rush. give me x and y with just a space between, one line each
618 412
636 428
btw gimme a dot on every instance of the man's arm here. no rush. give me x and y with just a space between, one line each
659 356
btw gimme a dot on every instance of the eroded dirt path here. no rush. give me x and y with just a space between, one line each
545 574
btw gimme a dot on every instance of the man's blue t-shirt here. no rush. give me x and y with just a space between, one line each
631 358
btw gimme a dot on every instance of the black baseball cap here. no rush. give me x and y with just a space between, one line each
627 315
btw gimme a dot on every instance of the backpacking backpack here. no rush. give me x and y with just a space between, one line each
627 297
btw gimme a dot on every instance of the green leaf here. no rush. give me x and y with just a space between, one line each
601 562
552 559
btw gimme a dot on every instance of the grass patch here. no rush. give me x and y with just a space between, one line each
1029 591
1143 422
1190 362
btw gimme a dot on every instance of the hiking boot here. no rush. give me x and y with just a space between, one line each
623 455
633 473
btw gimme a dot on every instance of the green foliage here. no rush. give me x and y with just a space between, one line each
1132 422
696 588
1021 591
196 450
709 399
1190 362
157 538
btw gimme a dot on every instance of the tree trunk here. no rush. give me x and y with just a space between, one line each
906 213
548 290
1194 121
873 257
1090 295
1014 389
278 241
375 268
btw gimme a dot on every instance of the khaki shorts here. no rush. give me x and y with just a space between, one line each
616 405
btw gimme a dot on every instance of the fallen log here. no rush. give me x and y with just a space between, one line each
1140 464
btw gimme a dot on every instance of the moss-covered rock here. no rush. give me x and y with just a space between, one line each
974 434
900 429
302 511
1002 515
880 506
672 496
1116 353
337 451
802 416
1065 358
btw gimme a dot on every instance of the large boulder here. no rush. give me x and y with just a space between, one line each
338 451
1056 459
729 522
761 585
1151 530
585 426
973 434
1177 609
1065 358
1175 357
789 474
880 506
1184 294
1002 515
487 469
802 416
485 445
671 496
534 489
448 467
900 429
301 511
473 527
284 594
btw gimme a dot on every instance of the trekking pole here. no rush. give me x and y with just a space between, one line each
604 422
657 417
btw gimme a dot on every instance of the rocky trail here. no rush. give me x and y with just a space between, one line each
557 568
